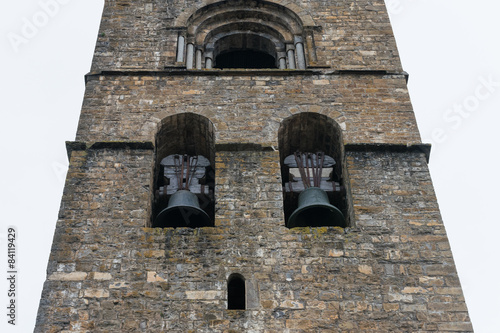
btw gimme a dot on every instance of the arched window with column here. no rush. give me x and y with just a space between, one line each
313 175
184 176
243 34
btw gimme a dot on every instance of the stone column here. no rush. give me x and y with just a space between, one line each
290 51
209 55
282 60
299 50
189 55
199 55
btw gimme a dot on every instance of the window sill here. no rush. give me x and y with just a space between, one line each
169 71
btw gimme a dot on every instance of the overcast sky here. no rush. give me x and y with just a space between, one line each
451 50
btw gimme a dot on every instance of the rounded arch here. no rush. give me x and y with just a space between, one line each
305 18
239 17
186 133
237 39
309 131
278 37
263 22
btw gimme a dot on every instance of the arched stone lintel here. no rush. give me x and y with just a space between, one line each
202 138
232 29
167 119
291 135
213 41
270 21
290 22
306 19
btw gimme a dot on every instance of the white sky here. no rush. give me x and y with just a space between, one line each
450 48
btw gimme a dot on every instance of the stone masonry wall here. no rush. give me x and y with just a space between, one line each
139 34
392 271
250 107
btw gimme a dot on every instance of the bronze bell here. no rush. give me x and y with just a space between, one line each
314 210
183 211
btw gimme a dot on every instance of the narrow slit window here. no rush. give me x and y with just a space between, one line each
236 294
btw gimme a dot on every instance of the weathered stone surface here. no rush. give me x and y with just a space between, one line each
345 34
73 276
101 276
391 270
370 108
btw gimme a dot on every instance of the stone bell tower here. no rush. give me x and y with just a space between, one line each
249 166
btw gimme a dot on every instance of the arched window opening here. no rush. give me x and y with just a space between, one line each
184 175
311 156
232 34
244 51
236 292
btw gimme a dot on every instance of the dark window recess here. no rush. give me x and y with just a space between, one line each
236 293
184 176
311 167
245 59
